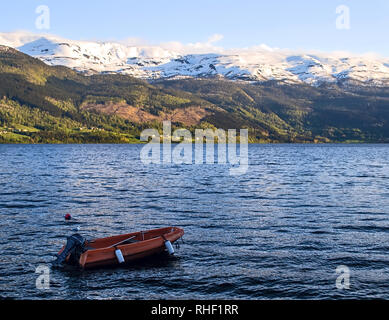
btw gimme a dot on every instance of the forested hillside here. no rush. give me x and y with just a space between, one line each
43 104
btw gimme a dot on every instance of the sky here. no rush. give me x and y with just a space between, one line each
296 25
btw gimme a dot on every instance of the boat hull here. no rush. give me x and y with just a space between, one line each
148 243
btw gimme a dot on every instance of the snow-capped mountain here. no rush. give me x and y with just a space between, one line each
152 62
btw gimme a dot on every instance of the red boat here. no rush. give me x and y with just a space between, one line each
118 249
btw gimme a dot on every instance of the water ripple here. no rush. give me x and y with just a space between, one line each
280 231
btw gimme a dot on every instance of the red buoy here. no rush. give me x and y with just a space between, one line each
68 217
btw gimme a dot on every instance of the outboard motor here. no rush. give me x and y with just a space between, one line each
75 246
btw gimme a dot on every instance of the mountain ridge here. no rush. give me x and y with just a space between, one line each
55 104
258 64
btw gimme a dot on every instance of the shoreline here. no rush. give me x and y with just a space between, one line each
176 143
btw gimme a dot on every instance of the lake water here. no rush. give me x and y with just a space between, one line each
278 231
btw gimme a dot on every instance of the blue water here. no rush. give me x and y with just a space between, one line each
279 231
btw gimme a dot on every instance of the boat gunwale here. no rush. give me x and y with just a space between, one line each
175 233
129 235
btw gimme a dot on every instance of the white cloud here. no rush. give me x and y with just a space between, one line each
215 38
197 47
19 38
133 42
